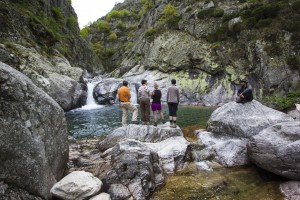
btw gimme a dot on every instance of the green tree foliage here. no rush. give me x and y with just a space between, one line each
85 31
118 14
210 12
103 26
58 14
170 16
112 36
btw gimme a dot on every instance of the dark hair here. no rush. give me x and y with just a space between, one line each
244 80
125 83
173 81
144 81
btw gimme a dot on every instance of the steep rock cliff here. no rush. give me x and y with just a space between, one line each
41 39
207 45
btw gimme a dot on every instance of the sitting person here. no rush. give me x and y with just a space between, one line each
244 94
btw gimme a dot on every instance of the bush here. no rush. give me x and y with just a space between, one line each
72 23
147 5
113 36
211 12
117 14
58 14
282 103
128 46
103 26
170 16
85 31
150 32
293 62
120 25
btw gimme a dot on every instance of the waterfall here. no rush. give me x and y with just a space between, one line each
91 102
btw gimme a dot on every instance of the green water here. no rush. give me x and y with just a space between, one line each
102 121
244 183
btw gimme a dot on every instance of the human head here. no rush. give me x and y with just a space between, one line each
144 81
243 82
173 81
155 85
125 83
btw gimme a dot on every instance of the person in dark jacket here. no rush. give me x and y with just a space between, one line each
244 94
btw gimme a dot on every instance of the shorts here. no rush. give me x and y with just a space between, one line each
155 107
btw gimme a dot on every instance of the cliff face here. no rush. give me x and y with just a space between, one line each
207 45
41 39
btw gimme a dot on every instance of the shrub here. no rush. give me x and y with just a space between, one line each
293 62
282 103
170 16
117 14
113 36
85 31
150 32
103 26
128 46
58 14
120 25
147 5
72 23
211 12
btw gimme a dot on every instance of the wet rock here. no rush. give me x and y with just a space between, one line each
105 92
277 149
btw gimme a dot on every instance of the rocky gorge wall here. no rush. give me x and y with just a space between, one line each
206 45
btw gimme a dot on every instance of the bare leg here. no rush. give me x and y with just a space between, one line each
154 115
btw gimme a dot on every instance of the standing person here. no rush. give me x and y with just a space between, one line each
144 99
124 97
173 101
156 104
244 94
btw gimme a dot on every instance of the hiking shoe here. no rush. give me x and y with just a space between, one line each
163 121
155 123
134 122
171 125
174 126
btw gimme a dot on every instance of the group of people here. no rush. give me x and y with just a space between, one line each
244 94
145 96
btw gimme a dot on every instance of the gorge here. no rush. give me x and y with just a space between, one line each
207 46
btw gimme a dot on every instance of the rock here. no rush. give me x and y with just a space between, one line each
118 191
139 132
171 152
244 120
227 151
135 168
277 149
106 91
76 185
34 137
102 196
291 190
10 192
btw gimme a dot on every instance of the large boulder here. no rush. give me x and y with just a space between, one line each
34 137
135 171
106 91
227 151
244 120
277 149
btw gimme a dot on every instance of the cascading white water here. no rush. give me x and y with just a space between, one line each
90 102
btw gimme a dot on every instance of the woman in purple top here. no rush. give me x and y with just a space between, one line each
156 104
